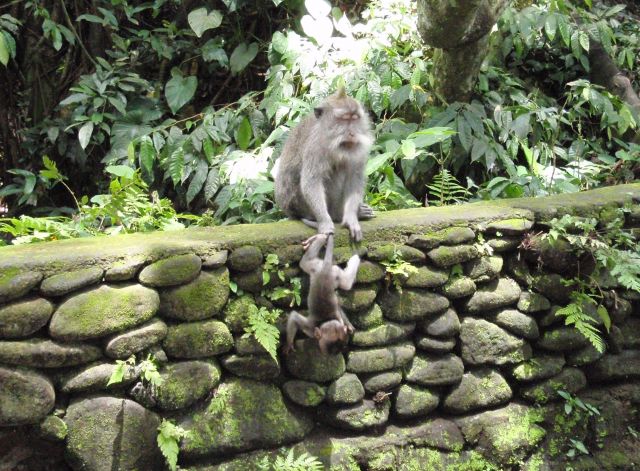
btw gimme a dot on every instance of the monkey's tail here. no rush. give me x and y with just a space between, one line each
328 253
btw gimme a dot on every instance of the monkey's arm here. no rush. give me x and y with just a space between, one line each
295 322
310 262
347 276
313 193
354 192
345 319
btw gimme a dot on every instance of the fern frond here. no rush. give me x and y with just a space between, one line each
445 189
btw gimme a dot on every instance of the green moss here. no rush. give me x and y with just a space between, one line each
445 256
6 276
510 226
236 313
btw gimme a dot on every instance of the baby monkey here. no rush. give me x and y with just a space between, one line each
326 321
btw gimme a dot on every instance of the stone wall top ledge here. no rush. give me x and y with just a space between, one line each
56 257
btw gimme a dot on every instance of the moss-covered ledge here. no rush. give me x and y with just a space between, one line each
394 226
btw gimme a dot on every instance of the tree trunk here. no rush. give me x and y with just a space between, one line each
460 32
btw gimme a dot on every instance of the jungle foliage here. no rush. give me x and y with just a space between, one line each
161 108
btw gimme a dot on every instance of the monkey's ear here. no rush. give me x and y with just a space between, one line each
318 112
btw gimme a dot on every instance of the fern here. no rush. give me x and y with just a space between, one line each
169 436
398 270
261 326
445 190
585 324
303 462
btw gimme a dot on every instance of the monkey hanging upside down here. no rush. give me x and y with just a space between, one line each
326 321
319 177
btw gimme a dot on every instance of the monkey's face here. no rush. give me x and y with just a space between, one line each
346 125
332 337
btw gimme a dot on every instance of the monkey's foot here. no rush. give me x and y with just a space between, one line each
354 229
306 243
365 212
288 348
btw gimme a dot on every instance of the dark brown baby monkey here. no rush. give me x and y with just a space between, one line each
326 321
319 177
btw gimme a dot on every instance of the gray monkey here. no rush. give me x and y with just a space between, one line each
319 177
326 321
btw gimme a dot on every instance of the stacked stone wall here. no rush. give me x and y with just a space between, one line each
450 362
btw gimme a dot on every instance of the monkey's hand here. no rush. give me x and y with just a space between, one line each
351 223
307 243
326 227
288 348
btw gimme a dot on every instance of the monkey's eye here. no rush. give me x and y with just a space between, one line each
355 116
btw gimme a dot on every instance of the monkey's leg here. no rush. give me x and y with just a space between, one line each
345 319
313 192
295 322
365 212
347 276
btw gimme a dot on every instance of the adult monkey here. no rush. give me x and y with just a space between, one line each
326 321
319 177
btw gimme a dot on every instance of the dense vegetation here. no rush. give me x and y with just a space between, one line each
121 116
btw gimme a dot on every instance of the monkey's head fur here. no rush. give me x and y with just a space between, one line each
346 126
332 337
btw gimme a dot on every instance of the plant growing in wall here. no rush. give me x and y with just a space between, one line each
290 462
581 413
262 328
147 369
169 436
397 270
272 267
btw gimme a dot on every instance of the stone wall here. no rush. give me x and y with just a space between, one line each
458 368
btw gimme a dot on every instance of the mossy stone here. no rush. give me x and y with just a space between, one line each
124 270
620 367
515 322
380 359
368 319
385 381
539 367
414 401
102 311
248 345
359 417
514 226
200 299
64 283
434 370
357 299
554 287
630 330
427 277
23 318
458 287
252 282
532 302
518 269
236 313
122 346
347 389
446 324
448 236
242 416
484 269
198 339
493 295
478 389
483 342
308 363
289 254
53 428
26 396
411 305
504 244
382 251
369 272
15 283
171 271
562 339
42 353
95 377
260 367
445 256
304 393
584 356
245 258
570 380
435 344
186 382
385 334
215 260
111 433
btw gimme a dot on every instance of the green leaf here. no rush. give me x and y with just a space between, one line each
242 55
318 8
131 151
279 42
121 171
176 165
213 51
209 151
551 26
197 181
212 184
604 315
4 50
319 29
583 38
118 373
200 21
84 135
409 149
243 134
180 90
147 154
